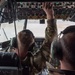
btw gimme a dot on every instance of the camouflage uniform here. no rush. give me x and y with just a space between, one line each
39 58
44 52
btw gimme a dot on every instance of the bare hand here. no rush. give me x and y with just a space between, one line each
48 8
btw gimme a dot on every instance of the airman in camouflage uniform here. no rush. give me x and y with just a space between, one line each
43 54
39 58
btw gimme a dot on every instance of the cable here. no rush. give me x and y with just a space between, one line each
5 33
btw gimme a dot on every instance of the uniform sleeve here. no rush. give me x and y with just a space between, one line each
43 54
50 33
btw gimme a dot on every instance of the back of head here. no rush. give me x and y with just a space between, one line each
64 48
25 38
69 47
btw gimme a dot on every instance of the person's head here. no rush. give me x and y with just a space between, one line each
63 48
25 39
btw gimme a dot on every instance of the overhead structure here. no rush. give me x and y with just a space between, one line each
33 10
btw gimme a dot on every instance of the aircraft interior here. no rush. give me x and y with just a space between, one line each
12 10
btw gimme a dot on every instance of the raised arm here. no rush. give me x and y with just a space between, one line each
50 31
43 54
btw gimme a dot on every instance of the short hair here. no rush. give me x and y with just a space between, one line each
63 47
69 51
26 37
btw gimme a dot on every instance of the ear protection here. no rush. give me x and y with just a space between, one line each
56 47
